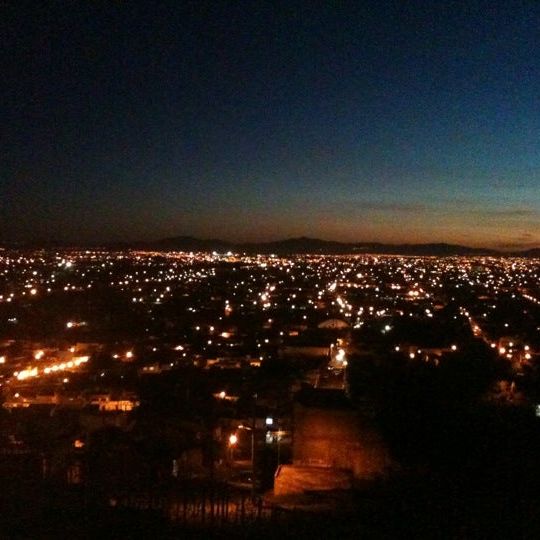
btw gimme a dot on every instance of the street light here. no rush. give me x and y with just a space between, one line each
233 440
252 429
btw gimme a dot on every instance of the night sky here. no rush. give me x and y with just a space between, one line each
357 121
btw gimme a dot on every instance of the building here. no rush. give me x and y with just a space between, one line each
334 446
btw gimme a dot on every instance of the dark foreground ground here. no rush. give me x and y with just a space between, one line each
406 509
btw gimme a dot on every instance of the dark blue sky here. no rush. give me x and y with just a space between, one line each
385 121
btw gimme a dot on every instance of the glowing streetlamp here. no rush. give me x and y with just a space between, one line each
252 430
233 441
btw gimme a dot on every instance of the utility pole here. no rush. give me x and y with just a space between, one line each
253 446
278 435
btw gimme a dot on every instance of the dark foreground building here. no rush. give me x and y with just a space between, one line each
334 446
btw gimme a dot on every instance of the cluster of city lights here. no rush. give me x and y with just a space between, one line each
33 372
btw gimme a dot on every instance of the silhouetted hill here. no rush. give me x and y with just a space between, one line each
289 246
440 249
533 253
305 245
298 245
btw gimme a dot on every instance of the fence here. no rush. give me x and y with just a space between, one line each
193 505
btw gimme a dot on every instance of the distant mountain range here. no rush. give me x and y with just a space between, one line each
301 245
305 245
